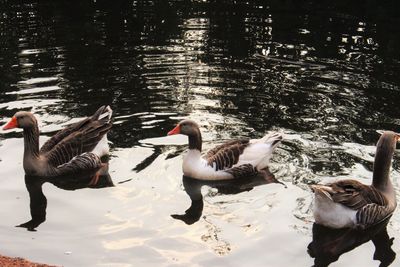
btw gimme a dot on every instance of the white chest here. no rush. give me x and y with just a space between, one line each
332 214
196 167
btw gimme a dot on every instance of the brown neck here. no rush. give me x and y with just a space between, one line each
383 161
31 142
195 140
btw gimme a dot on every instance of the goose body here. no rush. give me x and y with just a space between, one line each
75 149
233 159
349 203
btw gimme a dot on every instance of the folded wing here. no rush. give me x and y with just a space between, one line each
226 155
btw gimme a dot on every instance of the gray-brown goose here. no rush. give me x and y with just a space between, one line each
75 149
232 159
349 203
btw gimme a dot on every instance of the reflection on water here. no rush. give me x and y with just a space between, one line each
38 201
328 244
323 72
193 189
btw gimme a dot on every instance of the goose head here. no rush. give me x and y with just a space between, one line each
21 119
388 139
387 142
186 127
192 130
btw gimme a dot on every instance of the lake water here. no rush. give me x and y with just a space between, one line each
326 74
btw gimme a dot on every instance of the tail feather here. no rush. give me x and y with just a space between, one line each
260 151
322 190
272 138
103 113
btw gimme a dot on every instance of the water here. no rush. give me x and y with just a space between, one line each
324 73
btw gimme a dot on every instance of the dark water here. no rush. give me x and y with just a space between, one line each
326 74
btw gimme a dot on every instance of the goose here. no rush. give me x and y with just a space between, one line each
351 204
75 149
231 160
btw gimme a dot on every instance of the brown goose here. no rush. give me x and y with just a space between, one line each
349 203
75 149
233 159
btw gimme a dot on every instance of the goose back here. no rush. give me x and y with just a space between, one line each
77 127
356 195
226 155
83 139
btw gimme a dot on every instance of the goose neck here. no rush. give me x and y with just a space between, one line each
31 142
382 164
195 141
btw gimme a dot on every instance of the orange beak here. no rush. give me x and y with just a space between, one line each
11 124
176 130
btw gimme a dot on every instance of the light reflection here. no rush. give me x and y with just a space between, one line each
38 80
32 51
35 90
123 243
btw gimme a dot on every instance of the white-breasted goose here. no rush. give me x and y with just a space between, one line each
349 203
75 149
233 159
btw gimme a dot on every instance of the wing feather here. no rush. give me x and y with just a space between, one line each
242 171
86 162
356 195
59 136
371 205
77 143
99 118
226 155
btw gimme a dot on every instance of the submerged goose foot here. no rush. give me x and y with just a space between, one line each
95 179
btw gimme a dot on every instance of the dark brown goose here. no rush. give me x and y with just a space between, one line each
75 149
349 203
233 159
